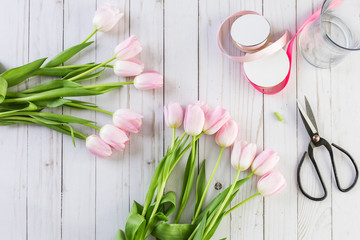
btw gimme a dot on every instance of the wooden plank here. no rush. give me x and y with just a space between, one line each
314 218
112 175
247 108
281 210
146 147
219 84
181 74
345 131
79 173
44 145
13 164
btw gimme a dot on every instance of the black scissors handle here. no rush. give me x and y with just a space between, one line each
335 173
317 172
323 142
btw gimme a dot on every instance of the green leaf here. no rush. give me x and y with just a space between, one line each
52 103
83 103
136 208
54 72
216 202
168 203
66 55
154 183
3 89
200 231
57 117
188 181
50 85
28 106
200 185
214 228
56 93
79 71
16 75
120 235
90 76
165 231
158 217
135 224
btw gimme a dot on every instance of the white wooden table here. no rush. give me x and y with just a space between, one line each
51 190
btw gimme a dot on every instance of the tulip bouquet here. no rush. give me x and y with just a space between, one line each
29 106
151 218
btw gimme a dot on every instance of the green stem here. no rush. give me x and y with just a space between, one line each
241 203
189 181
109 84
173 139
92 34
221 209
158 200
92 126
194 232
74 66
91 70
207 186
89 107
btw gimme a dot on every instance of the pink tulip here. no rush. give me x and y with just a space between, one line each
98 147
128 48
194 120
265 162
127 120
114 136
173 113
106 17
271 183
242 155
227 134
215 119
128 68
203 105
148 80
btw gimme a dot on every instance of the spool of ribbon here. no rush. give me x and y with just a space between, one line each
262 52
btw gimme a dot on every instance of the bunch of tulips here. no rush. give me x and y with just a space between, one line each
151 218
29 106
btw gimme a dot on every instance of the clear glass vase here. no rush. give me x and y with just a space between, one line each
326 41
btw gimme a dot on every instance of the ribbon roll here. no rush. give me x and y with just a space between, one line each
228 48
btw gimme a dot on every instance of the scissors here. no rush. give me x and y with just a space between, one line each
317 141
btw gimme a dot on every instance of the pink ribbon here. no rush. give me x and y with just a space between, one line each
267 51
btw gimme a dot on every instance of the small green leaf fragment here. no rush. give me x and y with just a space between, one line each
278 116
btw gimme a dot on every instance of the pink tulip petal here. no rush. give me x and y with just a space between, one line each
98 147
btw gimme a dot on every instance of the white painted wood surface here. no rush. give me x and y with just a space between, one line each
50 190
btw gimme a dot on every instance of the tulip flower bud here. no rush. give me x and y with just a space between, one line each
114 136
128 48
265 162
173 113
242 155
194 120
148 80
106 17
128 68
127 120
203 105
227 134
98 147
215 119
271 183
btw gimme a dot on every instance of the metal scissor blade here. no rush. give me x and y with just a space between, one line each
306 120
310 113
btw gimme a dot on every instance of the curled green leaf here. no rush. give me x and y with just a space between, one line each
3 89
16 75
